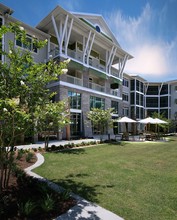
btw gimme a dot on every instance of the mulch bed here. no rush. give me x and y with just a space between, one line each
25 189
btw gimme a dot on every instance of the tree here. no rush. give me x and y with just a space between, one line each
52 117
22 90
101 119
164 127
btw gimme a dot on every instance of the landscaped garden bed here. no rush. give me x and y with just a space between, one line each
30 198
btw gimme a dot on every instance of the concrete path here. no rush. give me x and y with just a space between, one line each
84 210
56 142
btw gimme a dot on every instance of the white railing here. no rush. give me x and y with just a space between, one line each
74 80
115 72
96 87
114 92
94 62
76 55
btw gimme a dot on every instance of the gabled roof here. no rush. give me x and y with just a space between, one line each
5 9
97 20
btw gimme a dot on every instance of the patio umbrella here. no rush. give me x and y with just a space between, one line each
126 120
148 120
159 121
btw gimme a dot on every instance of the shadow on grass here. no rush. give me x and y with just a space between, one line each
79 188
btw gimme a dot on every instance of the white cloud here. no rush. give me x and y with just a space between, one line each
147 60
154 57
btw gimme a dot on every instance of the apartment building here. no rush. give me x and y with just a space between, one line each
144 98
95 76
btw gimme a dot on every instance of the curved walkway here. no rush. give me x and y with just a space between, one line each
84 210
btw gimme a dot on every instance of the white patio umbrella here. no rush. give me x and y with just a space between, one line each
159 121
126 120
147 120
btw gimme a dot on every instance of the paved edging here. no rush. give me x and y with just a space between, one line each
84 210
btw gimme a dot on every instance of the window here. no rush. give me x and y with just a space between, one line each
125 111
125 82
96 102
151 102
132 98
153 90
125 97
137 85
164 101
132 85
75 125
115 106
164 89
29 45
97 28
75 100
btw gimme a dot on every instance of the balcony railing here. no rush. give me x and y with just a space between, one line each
74 80
115 92
94 62
96 87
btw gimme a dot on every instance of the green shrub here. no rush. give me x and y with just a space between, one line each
29 156
20 154
47 204
26 208
65 195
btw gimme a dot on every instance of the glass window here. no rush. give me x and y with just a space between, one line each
132 100
164 101
137 98
164 89
75 100
137 112
125 111
125 82
137 85
142 100
75 125
125 97
115 105
132 85
29 45
142 87
152 90
152 102
97 102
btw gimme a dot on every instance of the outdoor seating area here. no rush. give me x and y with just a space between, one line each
146 135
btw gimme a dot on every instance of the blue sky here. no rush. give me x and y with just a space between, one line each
147 29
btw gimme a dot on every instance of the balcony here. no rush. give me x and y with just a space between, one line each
96 87
93 62
74 80
114 92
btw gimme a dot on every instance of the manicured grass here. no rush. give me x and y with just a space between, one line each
137 181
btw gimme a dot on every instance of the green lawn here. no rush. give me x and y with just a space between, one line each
134 180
